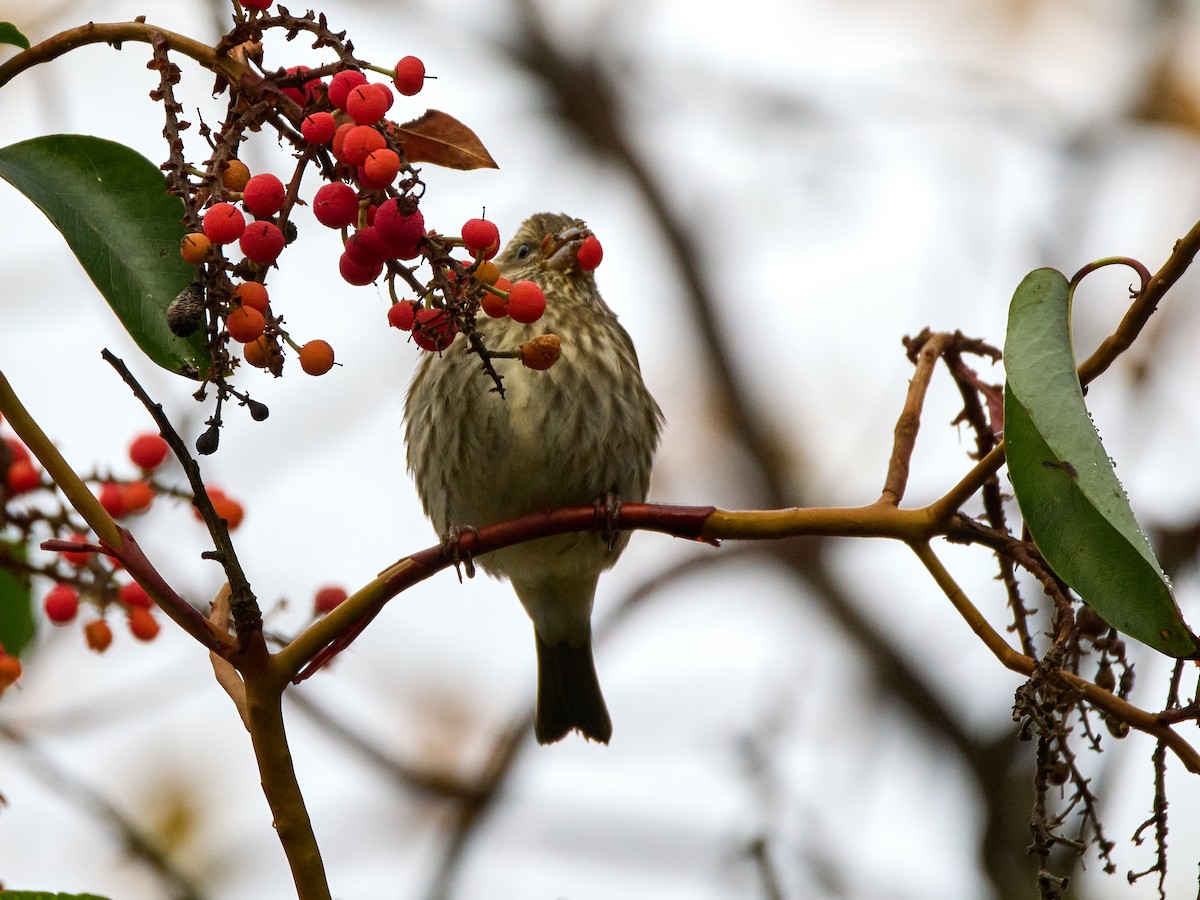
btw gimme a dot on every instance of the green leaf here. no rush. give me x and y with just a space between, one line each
16 601
1064 481
111 205
10 35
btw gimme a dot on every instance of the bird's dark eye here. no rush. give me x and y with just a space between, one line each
523 251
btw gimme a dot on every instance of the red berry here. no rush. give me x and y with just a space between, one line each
318 128
316 357
589 253
223 223
410 76
526 302
77 558
360 141
366 103
134 595
245 324
61 604
366 247
142 624
336 205
480 235
98 635
264 195
22 476
112 498
17 450
399 231
252 294
328 599
433 329
494 306
148 451
307 92
358 273
342 83
138 496
262 242
257 4
402 315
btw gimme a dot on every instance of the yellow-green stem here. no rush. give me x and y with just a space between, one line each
77 492
264 714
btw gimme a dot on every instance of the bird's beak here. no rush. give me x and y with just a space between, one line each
559 250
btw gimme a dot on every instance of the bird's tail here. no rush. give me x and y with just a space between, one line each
568 695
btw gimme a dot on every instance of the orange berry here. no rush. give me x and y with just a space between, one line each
138 496
359 143
142 624
245 324
10 670
258 353
230 510
316 357
542 352
252 294
194 248
98 635
234 175
381 166
487 272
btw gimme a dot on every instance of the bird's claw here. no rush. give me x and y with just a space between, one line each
452 547
608 516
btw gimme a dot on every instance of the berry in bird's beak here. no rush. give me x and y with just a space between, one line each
559 250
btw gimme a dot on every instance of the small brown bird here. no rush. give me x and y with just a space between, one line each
583 428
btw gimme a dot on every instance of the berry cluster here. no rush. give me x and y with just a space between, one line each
338 120
80 573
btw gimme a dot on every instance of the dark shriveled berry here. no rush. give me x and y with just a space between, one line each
185 314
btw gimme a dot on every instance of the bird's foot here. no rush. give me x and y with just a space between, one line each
453 548
608 516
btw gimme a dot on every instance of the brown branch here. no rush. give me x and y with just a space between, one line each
909 423
115 33
1150 723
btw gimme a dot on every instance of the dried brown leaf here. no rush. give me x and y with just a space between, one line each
439 138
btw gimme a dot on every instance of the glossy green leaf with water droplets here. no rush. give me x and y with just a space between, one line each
1064 481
